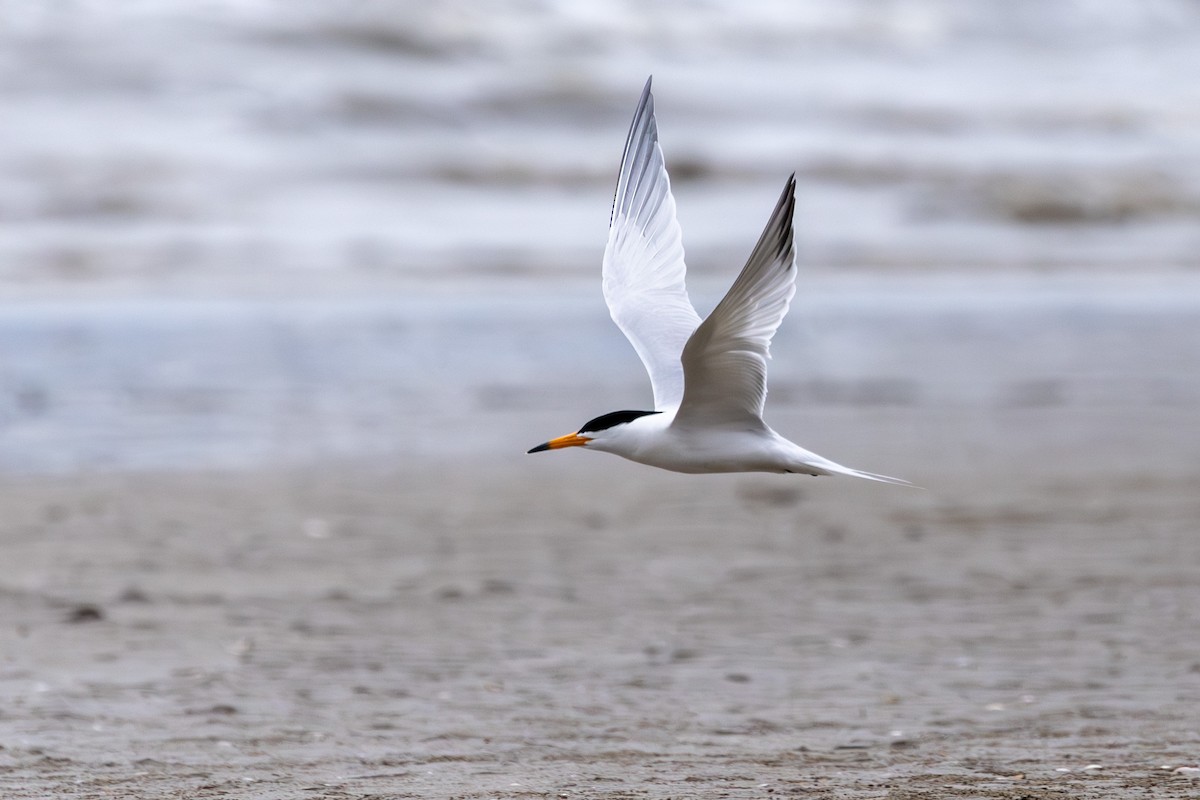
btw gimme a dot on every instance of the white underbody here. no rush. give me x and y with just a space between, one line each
750 446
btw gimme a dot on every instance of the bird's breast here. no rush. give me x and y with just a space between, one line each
709 451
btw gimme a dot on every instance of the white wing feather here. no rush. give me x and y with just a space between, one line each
725 360
643 261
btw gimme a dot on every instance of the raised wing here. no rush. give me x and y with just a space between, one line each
725 360
643 262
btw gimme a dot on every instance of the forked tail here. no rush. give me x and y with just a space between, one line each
833 468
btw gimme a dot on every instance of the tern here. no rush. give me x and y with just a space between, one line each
709 378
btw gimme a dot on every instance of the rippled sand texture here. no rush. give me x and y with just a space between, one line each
601 632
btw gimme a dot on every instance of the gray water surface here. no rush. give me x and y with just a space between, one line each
172 145
168 383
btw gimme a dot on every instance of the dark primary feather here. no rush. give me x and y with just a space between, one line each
638 156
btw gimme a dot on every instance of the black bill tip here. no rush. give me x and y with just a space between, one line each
539 448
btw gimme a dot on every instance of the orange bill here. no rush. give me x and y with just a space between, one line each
570 440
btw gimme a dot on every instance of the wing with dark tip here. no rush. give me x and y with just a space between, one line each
643 261
725 360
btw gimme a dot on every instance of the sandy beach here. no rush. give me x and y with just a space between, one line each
589 628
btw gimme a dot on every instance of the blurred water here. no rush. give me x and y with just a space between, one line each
1021 367
261 232
274 146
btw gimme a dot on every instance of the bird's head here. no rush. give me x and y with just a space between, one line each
596 434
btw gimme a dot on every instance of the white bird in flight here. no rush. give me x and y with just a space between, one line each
709 378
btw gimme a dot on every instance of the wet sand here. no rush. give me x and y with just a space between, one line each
575 626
